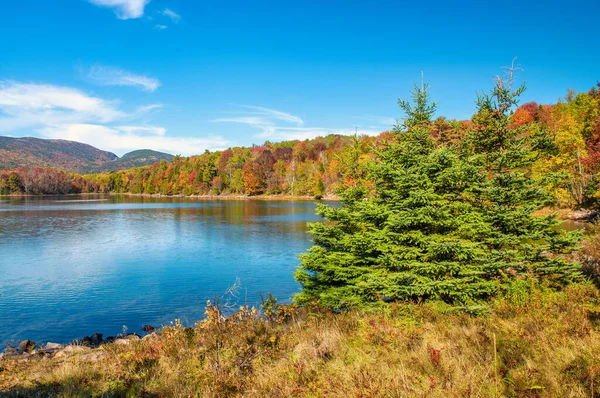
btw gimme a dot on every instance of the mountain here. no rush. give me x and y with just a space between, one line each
70 156
62 154
141 157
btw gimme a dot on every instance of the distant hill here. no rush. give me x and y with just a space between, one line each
141 157
70 156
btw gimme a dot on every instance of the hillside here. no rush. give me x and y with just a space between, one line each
62 154
141 157
69 156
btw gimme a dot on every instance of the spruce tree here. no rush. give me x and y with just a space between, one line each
451 223
517 242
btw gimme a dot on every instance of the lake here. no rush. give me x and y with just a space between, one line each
74 266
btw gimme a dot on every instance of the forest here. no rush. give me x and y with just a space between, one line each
569 165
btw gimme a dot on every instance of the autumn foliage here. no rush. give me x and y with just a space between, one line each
324 165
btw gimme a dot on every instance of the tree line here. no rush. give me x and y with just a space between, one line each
569 165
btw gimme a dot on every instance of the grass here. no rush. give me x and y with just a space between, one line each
534 343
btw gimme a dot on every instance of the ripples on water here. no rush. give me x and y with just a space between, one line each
74 267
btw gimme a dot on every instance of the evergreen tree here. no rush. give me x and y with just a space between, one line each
517 242
422 109
444 223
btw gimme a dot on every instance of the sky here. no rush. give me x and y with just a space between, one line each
185 76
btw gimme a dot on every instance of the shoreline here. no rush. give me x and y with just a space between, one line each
315 352
330 198
233 196
565 214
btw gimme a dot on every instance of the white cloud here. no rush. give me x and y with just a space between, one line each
172 14
275 114
160 27
123 139
251 120
124 9
23 105
109 76
151 130
140 110
276 125
66 113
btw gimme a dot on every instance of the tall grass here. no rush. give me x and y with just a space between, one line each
534 343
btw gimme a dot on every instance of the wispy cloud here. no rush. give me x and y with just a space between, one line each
67 113
146 108
260 116
251 120
160 27
275 114
172 14
109 76
145 129
277 125
124 9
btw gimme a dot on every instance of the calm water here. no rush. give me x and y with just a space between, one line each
70 267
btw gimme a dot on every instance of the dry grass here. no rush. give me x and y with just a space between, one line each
534 343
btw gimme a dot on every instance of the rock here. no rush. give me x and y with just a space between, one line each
92 356
50 348
148 328
96 339
122 342
110 339
149 337
71 349
26 345
10 352
125 340
86 341
583 215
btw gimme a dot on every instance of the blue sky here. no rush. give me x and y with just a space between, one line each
183 76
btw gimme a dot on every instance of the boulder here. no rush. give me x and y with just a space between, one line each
50 348
122 342
71 349
110 339
26 345
133 336
148 328
86 341
96 339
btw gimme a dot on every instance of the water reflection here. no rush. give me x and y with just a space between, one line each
74 267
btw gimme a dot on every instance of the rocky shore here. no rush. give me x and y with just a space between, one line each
89 347
583 215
